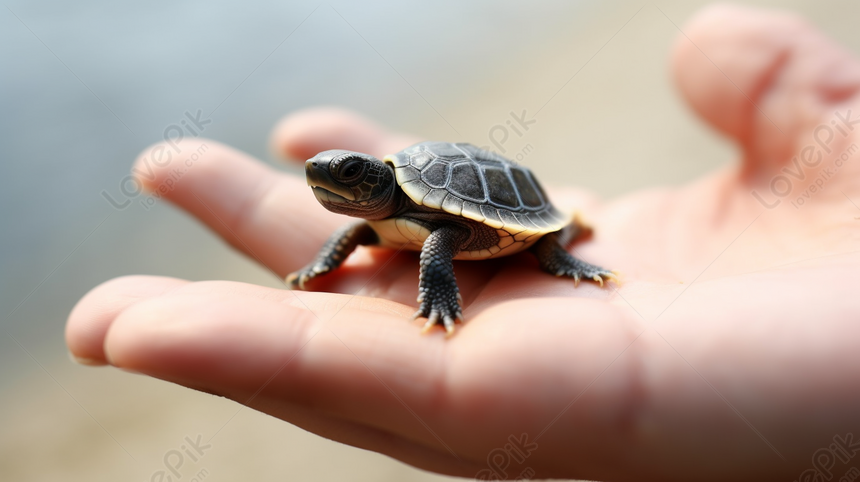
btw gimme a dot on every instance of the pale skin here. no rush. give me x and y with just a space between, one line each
736 333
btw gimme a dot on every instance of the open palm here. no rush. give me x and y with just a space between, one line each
732 349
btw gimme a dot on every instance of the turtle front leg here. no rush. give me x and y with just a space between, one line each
437 287
554 258
334 252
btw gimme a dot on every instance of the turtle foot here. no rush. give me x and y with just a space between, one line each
554 259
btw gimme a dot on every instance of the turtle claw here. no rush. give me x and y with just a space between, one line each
427 326
449 326
434 317
444 317
607 276
591 273
299 279
614 276
296 280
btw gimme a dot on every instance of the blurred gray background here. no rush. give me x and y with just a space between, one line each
85 86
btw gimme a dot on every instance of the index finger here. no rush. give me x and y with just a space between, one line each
302 134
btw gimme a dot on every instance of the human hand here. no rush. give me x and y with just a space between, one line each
731 351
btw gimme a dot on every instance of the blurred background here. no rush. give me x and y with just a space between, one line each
85 86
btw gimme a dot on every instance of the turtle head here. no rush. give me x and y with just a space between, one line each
353 183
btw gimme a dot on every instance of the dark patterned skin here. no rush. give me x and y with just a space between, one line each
334 252
453 198
437 287
554 259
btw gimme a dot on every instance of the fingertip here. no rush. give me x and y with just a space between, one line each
302 134
726 56
135 330
159 168
203 337
90 319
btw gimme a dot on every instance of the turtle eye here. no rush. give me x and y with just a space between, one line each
351 170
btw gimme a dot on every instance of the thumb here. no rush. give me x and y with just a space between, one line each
764 78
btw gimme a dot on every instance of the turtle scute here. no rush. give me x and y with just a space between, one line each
501 188
530 196
465 182
436 174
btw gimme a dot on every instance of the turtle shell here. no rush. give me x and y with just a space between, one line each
477 184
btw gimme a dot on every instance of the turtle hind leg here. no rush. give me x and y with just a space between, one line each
554 259
437 287
334 252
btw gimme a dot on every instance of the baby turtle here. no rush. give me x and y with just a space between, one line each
449 201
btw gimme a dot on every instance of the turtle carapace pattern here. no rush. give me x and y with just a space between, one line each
448 201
